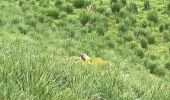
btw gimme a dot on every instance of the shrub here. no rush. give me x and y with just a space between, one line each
111 43
21 3
85 17
127 21
62 14
108 12
133 20
99 23
99 19
123 27
14 21
120 40
139 32
152 16
1 22
168 7
89 28
81 3
166 35
139 52
160 72
123 14
23 29
144 24
128 37
146 5
132 45
69 8
133 8
101 9
152 67
124 2
161 27
101 29
96 18
151 39
116 7
167 65
54 13
113 1
167 25
58 2
153 56
143 43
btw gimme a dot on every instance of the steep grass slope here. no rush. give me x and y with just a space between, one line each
39 52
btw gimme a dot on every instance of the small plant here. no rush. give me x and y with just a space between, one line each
153 56
128 37
111 43
123 14
168 7
85 17
81 3
124 2
113 1
144 24
146 5
167 25
58 2
132 45
1 22
151 39
23 29
127 21
167 65
152 66
120 40
108 12
140 32
143 43
21 3
69 8
123 27
139 52
116 7
161 27
54 13
101 29
160 72
14 21
133 8
152 16
133 20
166 35
101 9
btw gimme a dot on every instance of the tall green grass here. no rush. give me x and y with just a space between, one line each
40 43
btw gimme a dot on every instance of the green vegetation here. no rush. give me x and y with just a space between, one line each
127 42
152 16
146 5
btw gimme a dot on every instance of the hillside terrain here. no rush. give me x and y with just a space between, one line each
128 42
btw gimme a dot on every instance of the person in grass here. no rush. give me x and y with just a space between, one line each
84 57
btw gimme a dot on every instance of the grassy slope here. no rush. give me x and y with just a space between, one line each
38 66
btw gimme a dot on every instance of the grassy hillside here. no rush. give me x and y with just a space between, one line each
128 42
